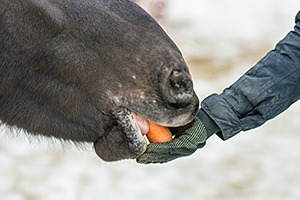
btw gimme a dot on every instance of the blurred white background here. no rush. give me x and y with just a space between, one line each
220 40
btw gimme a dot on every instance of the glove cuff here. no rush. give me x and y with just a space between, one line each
210 125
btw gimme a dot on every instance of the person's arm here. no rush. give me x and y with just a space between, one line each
262 93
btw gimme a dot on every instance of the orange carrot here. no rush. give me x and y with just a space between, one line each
158 133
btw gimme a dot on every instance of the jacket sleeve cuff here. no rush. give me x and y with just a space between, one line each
223 115
297 17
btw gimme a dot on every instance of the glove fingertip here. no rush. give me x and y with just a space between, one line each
152 159
158 147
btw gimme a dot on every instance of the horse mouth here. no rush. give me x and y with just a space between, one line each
134 127
141 122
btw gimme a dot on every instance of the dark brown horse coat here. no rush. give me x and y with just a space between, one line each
83 70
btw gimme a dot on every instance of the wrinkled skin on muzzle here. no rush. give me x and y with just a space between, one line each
82 70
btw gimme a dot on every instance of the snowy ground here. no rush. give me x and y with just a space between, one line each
220 40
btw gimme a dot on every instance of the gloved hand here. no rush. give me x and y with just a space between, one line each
186 141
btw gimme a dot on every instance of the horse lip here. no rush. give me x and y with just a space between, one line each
141 122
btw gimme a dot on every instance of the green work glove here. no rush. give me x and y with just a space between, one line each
186 141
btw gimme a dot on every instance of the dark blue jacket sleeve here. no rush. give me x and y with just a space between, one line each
263 92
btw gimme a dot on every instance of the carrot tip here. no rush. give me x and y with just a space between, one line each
158 133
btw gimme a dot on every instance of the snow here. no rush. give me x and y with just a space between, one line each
224 28
229 36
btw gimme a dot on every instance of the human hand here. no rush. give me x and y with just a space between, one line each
186 141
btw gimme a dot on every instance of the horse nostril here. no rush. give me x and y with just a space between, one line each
179 82
175 83
180 88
